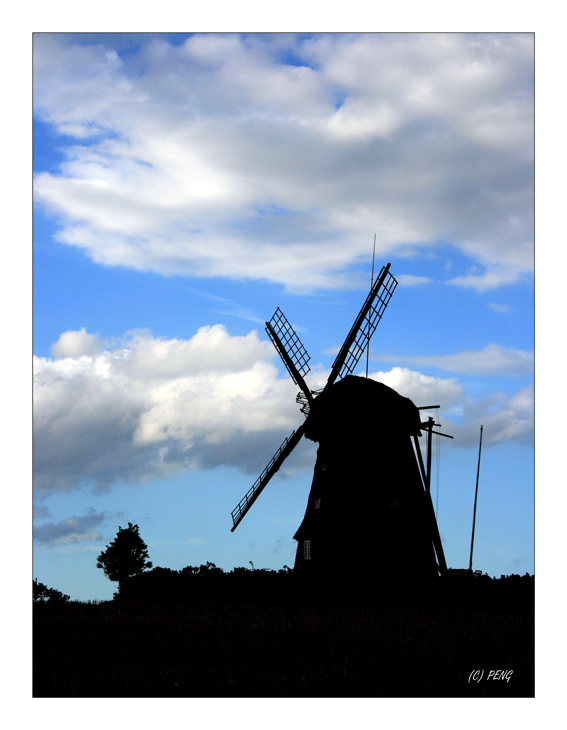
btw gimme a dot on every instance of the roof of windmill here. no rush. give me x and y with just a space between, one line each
356 408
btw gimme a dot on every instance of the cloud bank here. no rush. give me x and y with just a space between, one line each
149 407
278 156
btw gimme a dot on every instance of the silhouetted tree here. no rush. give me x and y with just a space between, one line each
190 570
43 594
126 556
210 569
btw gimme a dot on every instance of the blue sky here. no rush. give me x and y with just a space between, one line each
185 187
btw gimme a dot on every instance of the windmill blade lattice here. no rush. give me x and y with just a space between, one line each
254 492
292 344
364 326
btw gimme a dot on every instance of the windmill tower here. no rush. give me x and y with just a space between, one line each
369 511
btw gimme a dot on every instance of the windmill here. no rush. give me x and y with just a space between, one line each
369 508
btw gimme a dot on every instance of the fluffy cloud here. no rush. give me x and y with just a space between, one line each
75 343
495 276
219 157
505 418
71 530
150 407
153 407
422 389
492 360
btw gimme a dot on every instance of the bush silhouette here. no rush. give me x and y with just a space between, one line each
207 582
43 594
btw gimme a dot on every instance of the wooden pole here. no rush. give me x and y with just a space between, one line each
435 536
420 461
430 423
475 496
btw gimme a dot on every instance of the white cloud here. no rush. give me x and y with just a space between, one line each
410 280
500 308
423 390
492 278
491 360
504 418
150 407
75 343
215 157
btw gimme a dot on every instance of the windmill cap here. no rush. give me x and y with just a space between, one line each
357 408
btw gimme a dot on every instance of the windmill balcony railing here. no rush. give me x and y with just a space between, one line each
303 401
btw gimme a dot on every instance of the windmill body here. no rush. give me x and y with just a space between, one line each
369 511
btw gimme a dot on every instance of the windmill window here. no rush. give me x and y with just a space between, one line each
393 502
323 466
318 503
307 549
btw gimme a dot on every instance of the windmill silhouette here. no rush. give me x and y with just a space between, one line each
369 511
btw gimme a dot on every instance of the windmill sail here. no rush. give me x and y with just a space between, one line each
254 492
290 348
364 326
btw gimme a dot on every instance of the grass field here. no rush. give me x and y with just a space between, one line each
222 649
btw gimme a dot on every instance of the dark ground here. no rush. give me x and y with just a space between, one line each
308 648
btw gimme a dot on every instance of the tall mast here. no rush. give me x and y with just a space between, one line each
475 496
371 285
